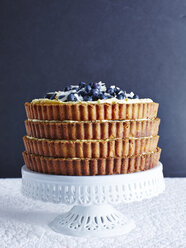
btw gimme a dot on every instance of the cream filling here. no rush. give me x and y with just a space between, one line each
111 100
96 121
133 138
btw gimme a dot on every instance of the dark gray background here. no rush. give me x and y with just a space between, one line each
138 45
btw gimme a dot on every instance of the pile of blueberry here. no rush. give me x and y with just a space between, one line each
89 92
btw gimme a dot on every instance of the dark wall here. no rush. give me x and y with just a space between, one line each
139 45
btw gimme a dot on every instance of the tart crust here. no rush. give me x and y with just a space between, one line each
92 130
86 167
90 148
91 111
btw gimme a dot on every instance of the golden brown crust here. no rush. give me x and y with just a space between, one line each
92 130
86 167
92 111
90 148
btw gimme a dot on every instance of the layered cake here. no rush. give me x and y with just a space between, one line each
91 129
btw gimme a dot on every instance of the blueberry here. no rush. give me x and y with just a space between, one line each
50 95
87 98
71 97
121 92
98 87
91 84
117 90
107 96
120 96
88 88
82 93
67 88
136 97
95 92
111 91
95 98
82 85
102 96
95 86
61 96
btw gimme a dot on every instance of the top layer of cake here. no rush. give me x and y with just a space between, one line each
90 92
90 102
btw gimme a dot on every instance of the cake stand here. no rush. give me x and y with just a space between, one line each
92 198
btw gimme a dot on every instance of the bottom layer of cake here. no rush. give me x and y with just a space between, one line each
91 167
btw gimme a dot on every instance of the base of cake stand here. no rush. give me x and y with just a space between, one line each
98 221
91 196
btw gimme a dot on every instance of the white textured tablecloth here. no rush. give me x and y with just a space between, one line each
160 222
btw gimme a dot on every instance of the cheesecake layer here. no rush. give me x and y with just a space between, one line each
91 130
90 148
81 111
90 167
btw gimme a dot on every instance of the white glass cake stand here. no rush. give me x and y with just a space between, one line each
92 197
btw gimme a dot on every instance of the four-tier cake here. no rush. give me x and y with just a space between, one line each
91 129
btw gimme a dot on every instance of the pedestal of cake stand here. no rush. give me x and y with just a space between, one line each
92 214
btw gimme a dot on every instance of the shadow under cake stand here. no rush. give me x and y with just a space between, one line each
92 198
